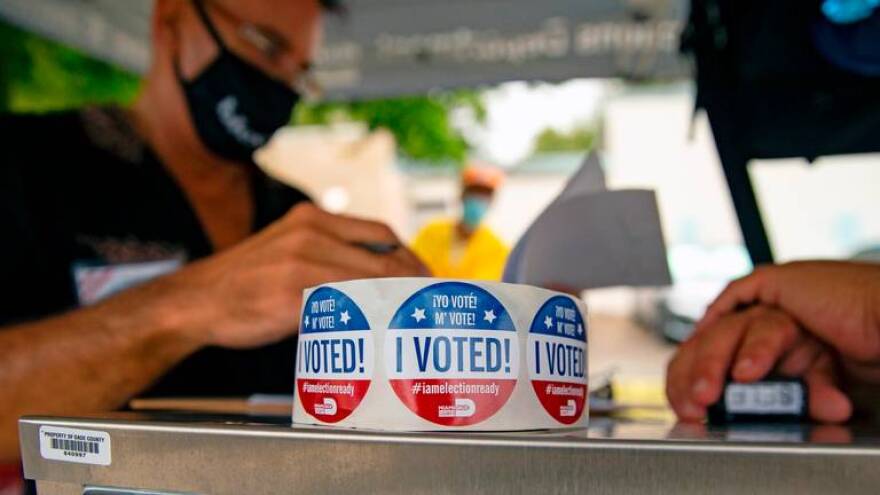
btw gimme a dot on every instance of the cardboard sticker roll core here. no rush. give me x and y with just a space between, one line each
426 354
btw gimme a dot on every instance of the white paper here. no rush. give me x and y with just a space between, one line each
591 237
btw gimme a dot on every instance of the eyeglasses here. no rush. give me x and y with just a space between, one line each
272 46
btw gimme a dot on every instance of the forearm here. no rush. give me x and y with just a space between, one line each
93 359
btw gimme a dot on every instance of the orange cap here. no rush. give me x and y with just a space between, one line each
479 175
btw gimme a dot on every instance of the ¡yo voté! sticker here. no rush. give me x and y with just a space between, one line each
558 360
451 354
334 356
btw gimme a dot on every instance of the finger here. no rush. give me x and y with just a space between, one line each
678 374
322 249
415 265
746 290
347 228
770 335
328 250
801 357
715 351
830 434
828 403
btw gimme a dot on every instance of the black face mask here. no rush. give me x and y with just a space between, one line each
235 107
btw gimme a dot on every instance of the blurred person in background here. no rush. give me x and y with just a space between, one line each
465 247
143 253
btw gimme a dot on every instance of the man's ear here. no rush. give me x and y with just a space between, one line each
166 16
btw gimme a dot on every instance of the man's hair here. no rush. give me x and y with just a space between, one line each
335 6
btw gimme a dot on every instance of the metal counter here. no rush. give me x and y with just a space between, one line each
217 454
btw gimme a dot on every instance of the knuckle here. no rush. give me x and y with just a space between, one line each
763 272
301 239
760 313
304 211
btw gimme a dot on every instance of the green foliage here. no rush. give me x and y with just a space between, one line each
421 124
38 75
578 139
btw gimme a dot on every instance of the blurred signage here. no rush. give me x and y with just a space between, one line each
385 47
407 46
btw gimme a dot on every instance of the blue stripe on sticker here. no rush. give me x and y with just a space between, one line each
330 310
560 317
452 305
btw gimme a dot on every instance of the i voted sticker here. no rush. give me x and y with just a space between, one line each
334 356
557 357
451 354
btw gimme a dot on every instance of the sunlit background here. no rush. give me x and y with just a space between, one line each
398 160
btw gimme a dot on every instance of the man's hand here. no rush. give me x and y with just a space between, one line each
746 346
809 319
838 302
251 294
247 296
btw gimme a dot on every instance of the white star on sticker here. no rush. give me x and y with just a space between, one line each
548 322
307 321
580 329
489 315
344 318
419 314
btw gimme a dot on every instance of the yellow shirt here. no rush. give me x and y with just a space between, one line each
481 257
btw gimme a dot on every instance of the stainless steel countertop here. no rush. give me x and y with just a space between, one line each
234 454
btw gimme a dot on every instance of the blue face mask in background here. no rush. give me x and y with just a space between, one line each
474 208
848 11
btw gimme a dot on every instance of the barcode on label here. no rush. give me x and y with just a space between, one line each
60 443
76 445
764 398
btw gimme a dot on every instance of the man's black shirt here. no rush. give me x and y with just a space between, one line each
86 207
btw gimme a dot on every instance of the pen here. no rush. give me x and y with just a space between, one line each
378 247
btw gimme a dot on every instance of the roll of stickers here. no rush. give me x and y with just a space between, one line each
424 354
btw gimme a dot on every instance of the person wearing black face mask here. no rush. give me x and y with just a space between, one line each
143 253
235 106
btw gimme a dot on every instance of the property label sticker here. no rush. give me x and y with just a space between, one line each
557 359
764 398
451 354
334 356
75 445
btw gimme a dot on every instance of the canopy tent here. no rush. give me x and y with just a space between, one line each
766 89
387 47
